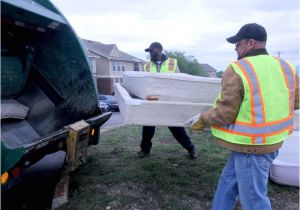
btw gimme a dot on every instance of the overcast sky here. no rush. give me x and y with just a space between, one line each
196 27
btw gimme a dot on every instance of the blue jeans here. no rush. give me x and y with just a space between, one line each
244 176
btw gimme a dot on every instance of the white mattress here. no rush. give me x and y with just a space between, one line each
172 87
157 113
285 168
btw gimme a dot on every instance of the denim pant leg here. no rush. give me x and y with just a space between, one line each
252 172
227 191
181 136
147 135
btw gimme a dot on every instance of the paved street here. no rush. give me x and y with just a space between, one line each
115 119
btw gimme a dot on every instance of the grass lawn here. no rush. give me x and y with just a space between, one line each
114 178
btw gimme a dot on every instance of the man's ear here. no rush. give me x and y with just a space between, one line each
252 43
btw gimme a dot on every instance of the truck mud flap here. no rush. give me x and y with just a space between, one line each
95 123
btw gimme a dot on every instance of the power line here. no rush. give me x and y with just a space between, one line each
294 55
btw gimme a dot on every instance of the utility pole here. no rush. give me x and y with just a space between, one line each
279 53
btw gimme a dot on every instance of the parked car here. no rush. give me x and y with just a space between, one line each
104 107
111 101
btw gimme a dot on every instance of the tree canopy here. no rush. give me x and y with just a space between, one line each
220 74
187 64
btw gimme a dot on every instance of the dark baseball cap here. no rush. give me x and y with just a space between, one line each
154 45
249 31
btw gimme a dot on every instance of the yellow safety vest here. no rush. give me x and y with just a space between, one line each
168 66
266 112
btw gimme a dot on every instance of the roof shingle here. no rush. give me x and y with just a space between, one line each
106 50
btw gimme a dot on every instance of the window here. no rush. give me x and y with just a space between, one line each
136 67
117 66
93 65
114 64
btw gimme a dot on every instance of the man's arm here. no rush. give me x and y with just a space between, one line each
228 105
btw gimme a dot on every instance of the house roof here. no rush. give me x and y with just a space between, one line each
208 68
108 51
91 54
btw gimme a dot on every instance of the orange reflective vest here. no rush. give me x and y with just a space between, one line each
267 109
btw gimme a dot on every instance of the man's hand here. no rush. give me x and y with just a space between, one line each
195 123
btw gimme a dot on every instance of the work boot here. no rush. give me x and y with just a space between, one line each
192 154
141 154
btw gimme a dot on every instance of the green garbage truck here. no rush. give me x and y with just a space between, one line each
48 93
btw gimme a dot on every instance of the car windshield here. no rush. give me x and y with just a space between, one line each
102 97
107 98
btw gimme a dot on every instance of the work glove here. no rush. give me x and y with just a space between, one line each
195 123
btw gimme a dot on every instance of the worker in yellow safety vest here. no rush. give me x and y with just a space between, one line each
252 116
161 63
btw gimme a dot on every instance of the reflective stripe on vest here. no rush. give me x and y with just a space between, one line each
259 129
257 104
171 66
290 81
265 129
167 66
147 67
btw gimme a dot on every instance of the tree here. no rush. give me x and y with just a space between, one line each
187 64
220 74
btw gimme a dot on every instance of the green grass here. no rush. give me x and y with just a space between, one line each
114 178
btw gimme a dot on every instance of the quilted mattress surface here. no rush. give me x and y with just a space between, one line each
172 87
285 168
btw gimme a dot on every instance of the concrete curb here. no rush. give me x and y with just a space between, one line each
61 194
109 128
